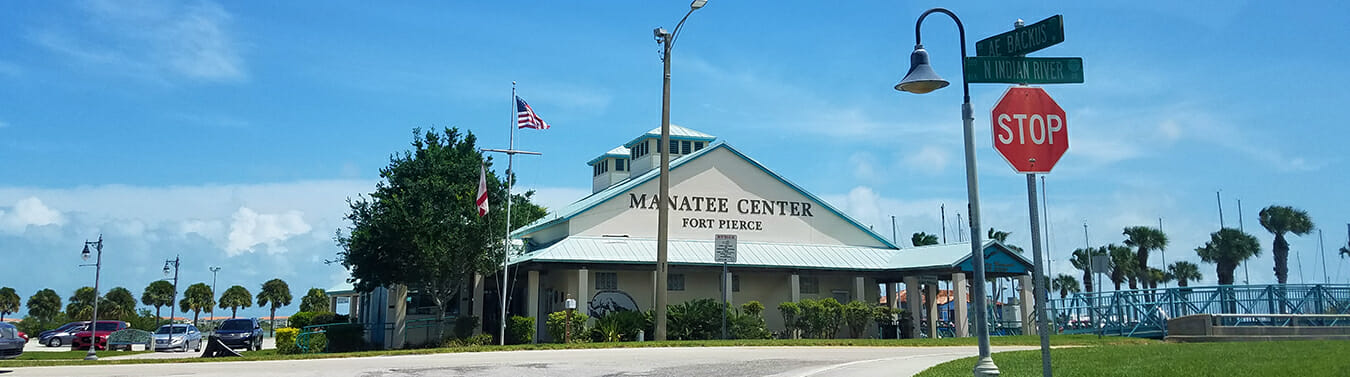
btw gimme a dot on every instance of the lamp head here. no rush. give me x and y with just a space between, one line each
166 268
921 78
85 254
698 4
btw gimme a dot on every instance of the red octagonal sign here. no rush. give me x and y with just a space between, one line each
1031 131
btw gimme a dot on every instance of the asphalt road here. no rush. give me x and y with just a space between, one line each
648 362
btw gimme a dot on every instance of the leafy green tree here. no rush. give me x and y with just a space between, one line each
1227 248
1155 276
1082 260
196 298
1002 237
1184 272
1345 252
1122 265
9 302
316 300
44 305
420 227
1065 284
1144 239
277 294
236 297
1279 220
122 303
923 239
159 293
81 304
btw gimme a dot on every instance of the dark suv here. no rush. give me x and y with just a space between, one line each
241 333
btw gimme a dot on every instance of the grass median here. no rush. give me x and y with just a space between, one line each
1058 340
68 355
1238 359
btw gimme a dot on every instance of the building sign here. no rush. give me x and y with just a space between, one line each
716 205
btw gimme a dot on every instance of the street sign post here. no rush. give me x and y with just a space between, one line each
1031 131
1017 70
1023 40
724 251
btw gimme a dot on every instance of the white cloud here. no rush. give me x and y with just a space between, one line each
26 212
929 158
864 166
153 40
251 229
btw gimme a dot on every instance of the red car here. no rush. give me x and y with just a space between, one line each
82 339
24 336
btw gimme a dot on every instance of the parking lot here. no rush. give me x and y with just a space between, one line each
33 346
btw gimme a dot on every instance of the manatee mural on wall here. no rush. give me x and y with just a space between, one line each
606 302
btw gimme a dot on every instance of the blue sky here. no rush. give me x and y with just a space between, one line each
230 133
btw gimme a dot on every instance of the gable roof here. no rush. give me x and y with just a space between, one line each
676 133
580 206
621 152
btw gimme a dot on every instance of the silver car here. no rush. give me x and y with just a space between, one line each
178 336
11 345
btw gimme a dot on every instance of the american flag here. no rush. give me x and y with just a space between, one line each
525 117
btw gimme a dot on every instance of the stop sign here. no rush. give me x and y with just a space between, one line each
1031 131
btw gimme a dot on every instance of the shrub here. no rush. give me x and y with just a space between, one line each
748 323
520 330
627 324
464 326
820 318
856 316
753 308
790 311
300 320
699 319
286 341
471 341
345 337
557 326
316 343
324 318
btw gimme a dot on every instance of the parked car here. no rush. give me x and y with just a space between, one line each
11 345
24 336
241 333
97 338
178 336
61 336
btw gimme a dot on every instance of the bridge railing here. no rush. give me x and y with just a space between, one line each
1144 312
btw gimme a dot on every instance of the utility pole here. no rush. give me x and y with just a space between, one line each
943 207
1246 272
894 236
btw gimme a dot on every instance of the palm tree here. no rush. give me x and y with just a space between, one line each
123 303
1082 260
1279 220
1227 248
1184 272
81 304
234 298
1002 237
923 239
1145 239
276 293
197 297
1122 265
158 294
315 300
9 302
1065 284
44 305
1156 276
1345 252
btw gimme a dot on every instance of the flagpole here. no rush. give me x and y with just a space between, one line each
506 240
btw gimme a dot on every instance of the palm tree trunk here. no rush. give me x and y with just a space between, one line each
1087 281
1225 272
234 311
157 317
1142 256
1281 251
273 330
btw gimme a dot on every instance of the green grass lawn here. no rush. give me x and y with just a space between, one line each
71 355
1287 358
1082 340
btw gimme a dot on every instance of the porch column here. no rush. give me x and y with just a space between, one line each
891 299
912 302
583 294
860 289
795 287
1026 302
931 305
532 303
478 302
962 322
727 280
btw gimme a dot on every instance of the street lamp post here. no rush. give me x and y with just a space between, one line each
212 309
667 40
172 263
98 268
922 79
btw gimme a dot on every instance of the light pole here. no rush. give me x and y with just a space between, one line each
212 309
667 40
98 268
173 263
922 79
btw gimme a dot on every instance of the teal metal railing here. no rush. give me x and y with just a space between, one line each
1144 312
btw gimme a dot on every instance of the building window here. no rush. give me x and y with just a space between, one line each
618 164
595 169
674 147
698 145
841 296
675 282
735 282
685 147
607 280
809 284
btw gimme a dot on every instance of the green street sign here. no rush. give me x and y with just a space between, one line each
1010 70
1023 40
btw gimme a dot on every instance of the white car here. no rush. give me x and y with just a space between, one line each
178 336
